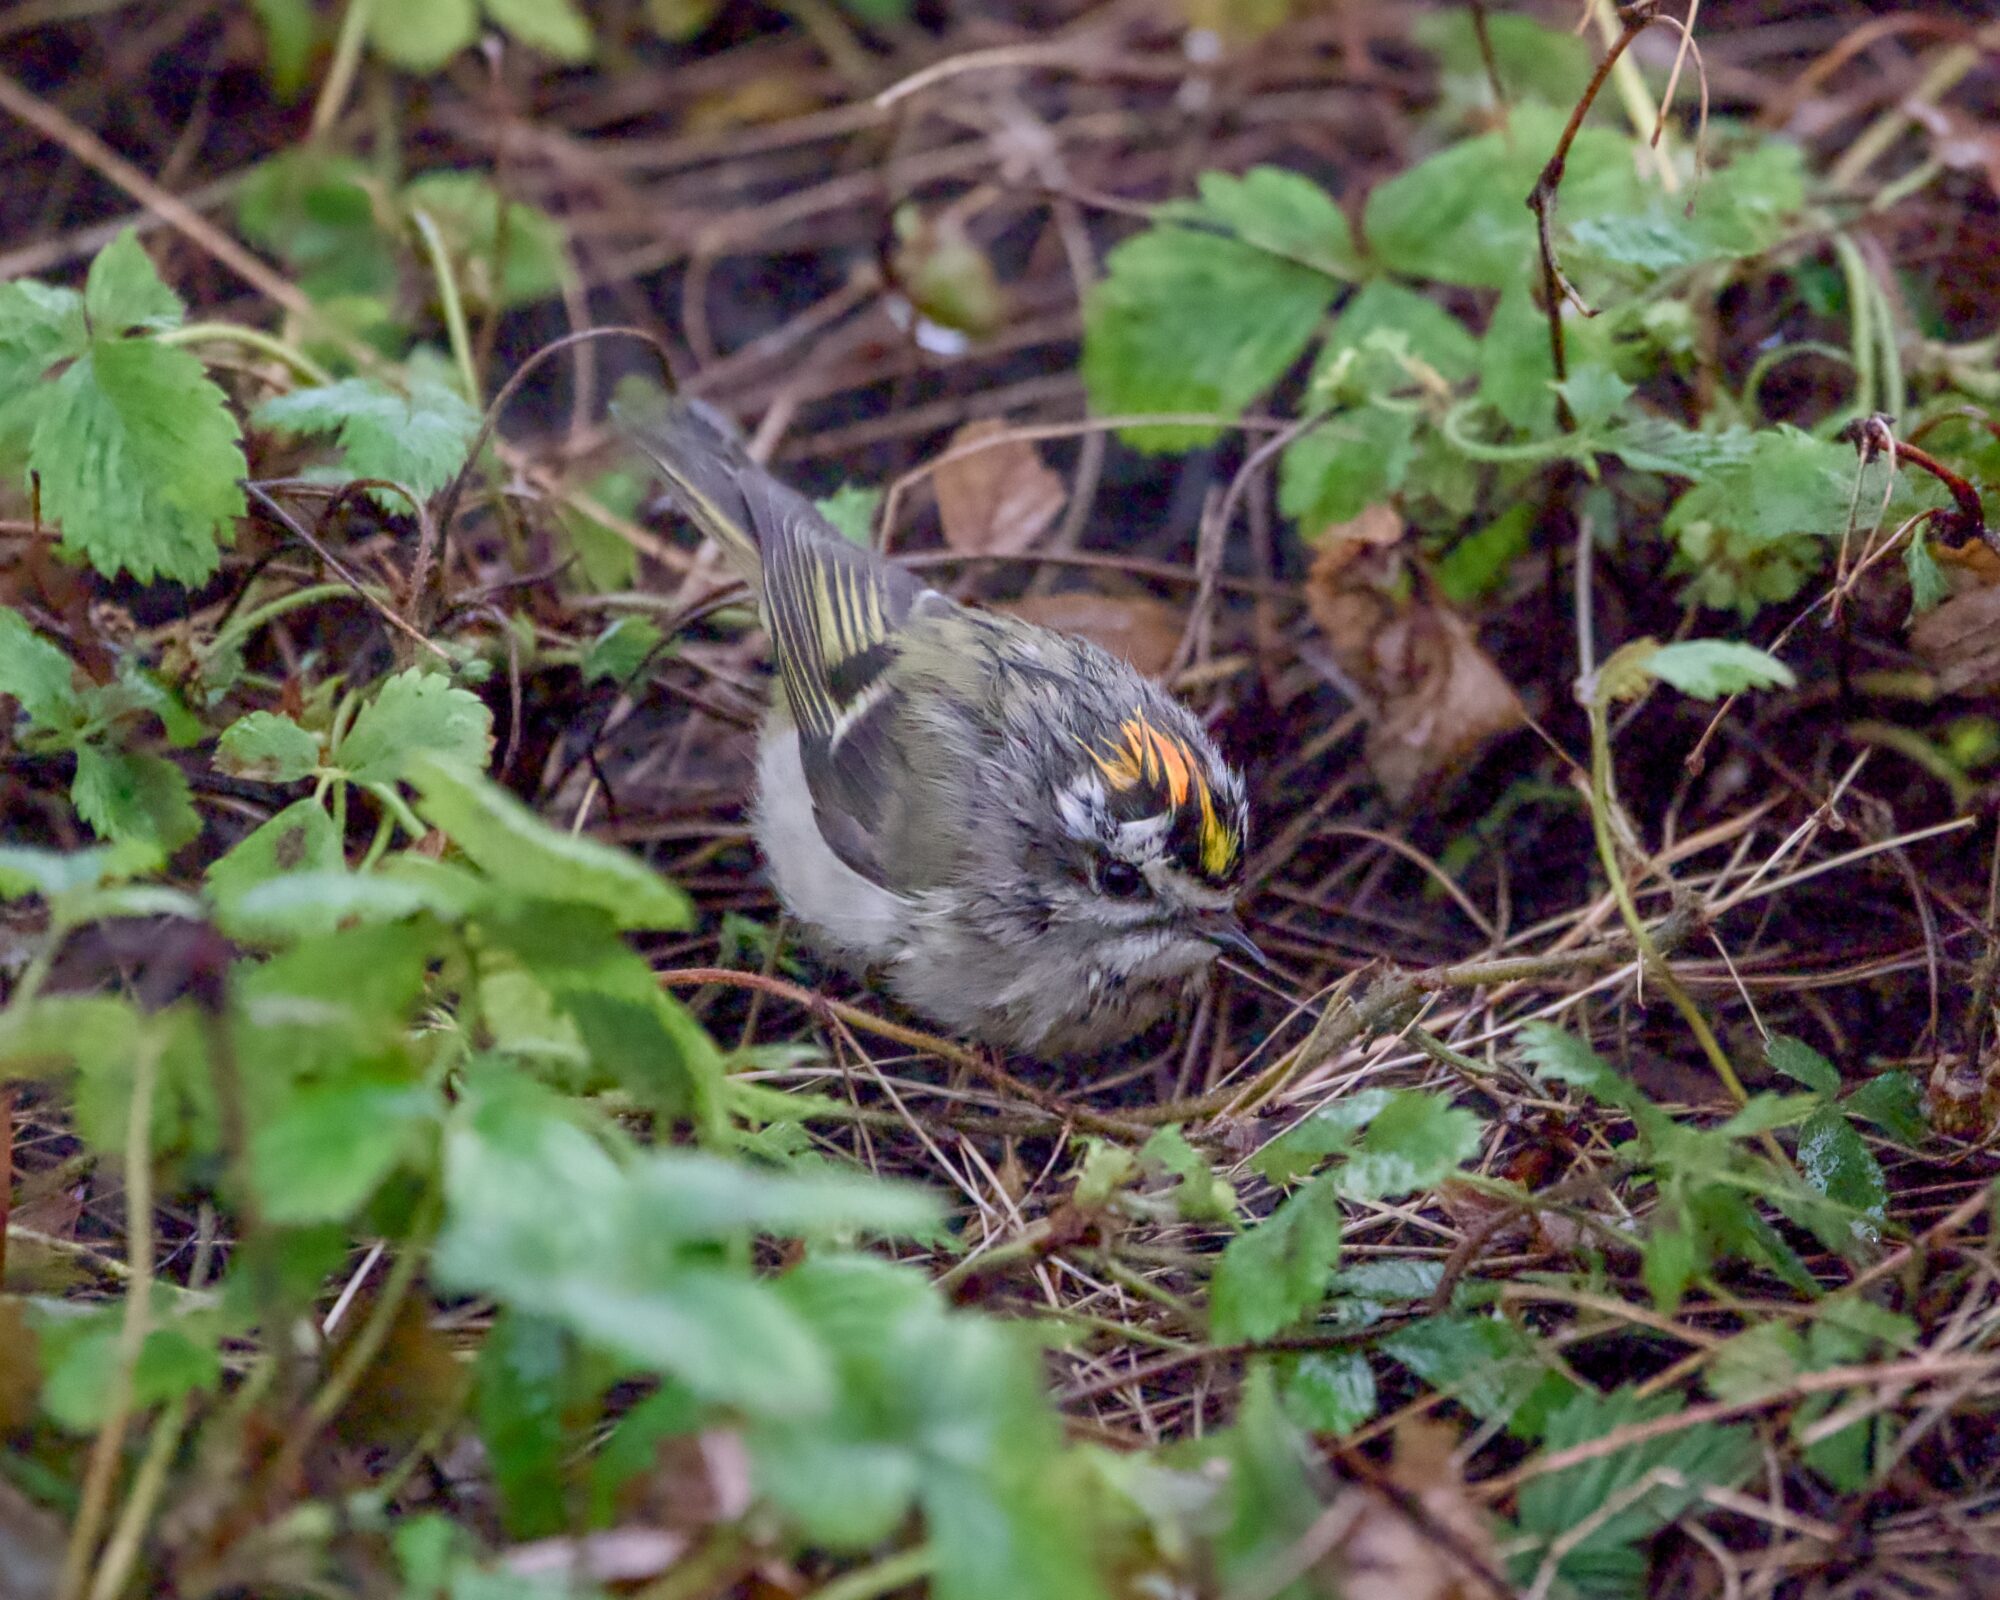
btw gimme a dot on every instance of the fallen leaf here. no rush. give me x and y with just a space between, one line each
1431 694
1960 641
999 499
1134 627
1389 1554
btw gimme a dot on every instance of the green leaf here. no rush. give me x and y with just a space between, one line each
1595 393
1418 1141
1548 64
1330 1391
1492 1367
1929 587
1894 1103
1462 215
505 262
269 747
328 1147
1563 1058
540 1215
419 439
81 1354
851 508
1560 1504
1199 1195
621 650
35 672
1273 1274
289 35
139 461
1670 1258
1834 1159
26 870
1763 1359
1274 210
422 35
1398 328
300 838
415 714
1330 1130
1346 464
128 795
317 211
516 848
1801 1063
554 27
39 327
695 1196
1193 321
1476 566
523 1382
123 291
1710 668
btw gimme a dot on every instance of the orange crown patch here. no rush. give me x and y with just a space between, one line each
1142 754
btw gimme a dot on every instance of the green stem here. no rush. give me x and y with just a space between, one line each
340 71
248 622
882 1577
453 305
121 1551
251 339
1861 330
107 1451
394 805
355 1359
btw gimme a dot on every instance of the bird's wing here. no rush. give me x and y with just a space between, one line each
834 611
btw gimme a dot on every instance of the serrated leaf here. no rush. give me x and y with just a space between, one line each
1330 1391
1417 1141
1929 587
621 650
851 508
422 35
1835 1160
1669 1259
300 838
123 291
1801 1063
1273 1274
322 1152
1331 1130
1461 216
81 1355
1200 1195
35 672
1894 1103
516 848
1564 1058
1492 1367
554 27
1351 461
1761 1360
1275 210
1595 393
129 795
1710 668
419 439
139 461
520 1395
267 746
1561 1505
39 326
1192 321
415 713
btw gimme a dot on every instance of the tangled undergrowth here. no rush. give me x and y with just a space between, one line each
1550 457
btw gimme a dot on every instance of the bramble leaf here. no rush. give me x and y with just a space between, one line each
415 713
34 671
1801 1063
132 795
139 461
267 746
516 848
419 439
1273 1274
123 291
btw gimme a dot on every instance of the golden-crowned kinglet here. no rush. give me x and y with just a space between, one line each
1023 838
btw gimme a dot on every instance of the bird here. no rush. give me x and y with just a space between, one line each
1022 838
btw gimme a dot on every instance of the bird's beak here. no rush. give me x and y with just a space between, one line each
1220 928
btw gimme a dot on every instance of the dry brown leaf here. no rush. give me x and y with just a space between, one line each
1389 1555
1960 641
1432 695
999 499
1134 627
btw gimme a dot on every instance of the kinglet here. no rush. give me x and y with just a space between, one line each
1025 840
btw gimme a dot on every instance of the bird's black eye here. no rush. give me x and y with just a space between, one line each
1120 879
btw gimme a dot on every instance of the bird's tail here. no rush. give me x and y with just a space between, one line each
708 475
